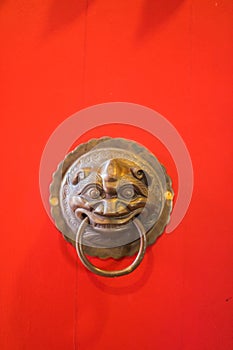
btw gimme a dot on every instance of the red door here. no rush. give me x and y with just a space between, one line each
58 57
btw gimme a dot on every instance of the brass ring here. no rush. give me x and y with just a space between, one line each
105 273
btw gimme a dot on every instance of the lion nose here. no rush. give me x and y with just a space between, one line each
111 207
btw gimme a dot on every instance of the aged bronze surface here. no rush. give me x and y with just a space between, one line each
110 197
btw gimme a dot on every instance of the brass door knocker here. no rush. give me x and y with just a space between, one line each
110 197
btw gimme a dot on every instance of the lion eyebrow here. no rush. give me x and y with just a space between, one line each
93 179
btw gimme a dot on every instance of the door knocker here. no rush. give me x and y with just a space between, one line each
110 197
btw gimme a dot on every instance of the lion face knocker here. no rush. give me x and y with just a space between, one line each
111 198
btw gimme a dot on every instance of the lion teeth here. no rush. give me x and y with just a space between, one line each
107 225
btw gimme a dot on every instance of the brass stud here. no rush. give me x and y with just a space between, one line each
54 201
168 195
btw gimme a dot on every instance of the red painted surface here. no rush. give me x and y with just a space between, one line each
58 57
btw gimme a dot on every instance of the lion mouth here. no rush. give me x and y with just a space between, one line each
105 222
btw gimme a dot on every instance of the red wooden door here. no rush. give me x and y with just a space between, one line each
173 56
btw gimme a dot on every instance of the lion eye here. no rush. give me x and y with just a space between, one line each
94 193
127 192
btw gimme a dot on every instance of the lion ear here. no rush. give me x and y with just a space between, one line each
141 175
73 181
146 178
79 176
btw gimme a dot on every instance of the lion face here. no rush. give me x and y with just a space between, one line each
111 195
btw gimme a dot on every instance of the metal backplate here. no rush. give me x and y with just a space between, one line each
111 181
